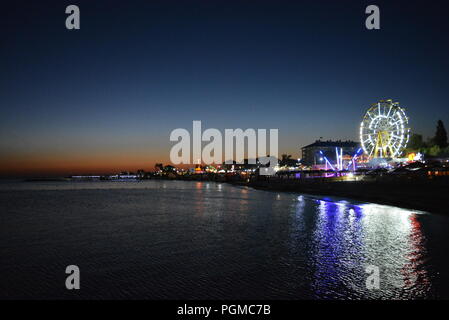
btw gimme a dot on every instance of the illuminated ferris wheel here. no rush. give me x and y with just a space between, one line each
383 131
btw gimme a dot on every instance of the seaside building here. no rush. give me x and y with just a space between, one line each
245 166
311 155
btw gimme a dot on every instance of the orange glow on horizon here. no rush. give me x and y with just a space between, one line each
71 164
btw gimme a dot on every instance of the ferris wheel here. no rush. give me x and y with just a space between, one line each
383 131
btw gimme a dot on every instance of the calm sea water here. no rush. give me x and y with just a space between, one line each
203 240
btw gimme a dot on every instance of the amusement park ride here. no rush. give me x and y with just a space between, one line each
383 136
383 131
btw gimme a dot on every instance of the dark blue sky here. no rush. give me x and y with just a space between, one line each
107 96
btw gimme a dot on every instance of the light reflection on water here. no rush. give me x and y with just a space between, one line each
204 240
348 238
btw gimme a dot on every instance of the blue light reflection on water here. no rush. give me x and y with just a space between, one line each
349 237
201 240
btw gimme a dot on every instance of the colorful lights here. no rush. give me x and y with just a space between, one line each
327 161
383 132
414 156
340 166
359 151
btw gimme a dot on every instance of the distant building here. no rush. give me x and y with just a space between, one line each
311 153
241 166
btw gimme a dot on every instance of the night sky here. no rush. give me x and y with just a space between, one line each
105 98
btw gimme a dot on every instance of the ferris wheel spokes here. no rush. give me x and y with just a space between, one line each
382 131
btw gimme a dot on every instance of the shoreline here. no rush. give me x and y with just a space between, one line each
425 197
428 195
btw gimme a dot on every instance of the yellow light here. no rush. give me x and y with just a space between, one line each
411 156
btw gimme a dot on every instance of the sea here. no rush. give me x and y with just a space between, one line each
160 239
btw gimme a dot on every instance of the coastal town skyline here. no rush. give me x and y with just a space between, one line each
106 97
232 158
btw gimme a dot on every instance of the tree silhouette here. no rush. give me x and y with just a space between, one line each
416 142
287 161
169 169
441 135
434 150
284 159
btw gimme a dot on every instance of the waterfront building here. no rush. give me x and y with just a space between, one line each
245 166
311 155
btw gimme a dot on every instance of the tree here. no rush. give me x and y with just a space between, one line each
284 160
440 135
434 150
445 152
159 166
169 169
287 161
416 142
